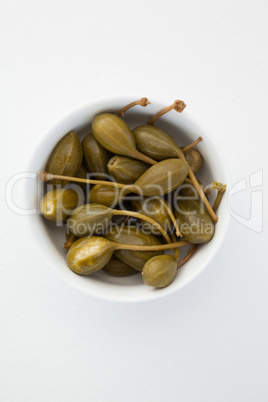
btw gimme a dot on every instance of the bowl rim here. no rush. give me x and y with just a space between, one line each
165 291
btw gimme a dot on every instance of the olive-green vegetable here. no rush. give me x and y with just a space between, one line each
126 170
117 267
195 222
113 134
123 250
155 210
66 158
96 157
58 204
188 190
159 271
163 177
147 145
89 254
155 142
82 174
106 195
159 145
132 235
194 159
90 218
136 259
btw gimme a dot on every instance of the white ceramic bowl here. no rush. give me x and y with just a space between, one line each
50 241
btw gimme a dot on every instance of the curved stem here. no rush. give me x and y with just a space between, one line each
142 102
48 176
144 218
176 250
177 105
171 215
138 155
221 189
162 247
69 242
197 187
193 144
187 257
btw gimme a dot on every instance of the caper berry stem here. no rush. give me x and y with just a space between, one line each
162 247
177 105
44 176
138 155
69 242
187 257
221 189
193 144
197 187
171 215
144 218
153 177
142 102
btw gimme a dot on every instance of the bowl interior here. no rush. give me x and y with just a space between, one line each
50 239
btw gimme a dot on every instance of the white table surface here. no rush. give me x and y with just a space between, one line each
207 342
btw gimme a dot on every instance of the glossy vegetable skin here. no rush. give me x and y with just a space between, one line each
126 170
89 254
132 235
116 267
58 204
89 219
159 271
96 157
66 158
195 222
155 210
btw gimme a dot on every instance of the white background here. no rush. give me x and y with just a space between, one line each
207 342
